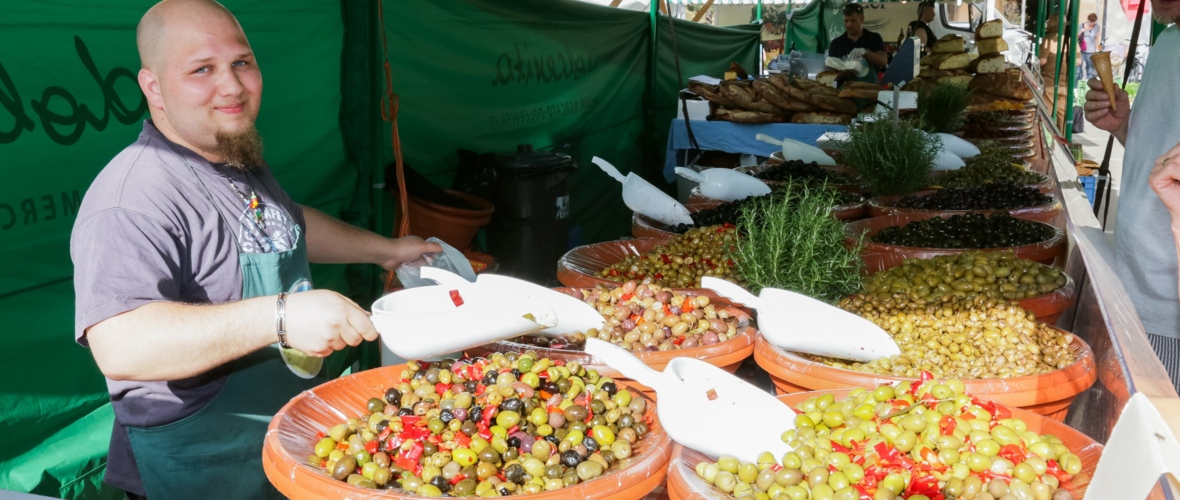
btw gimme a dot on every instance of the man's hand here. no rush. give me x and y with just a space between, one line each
1165 181
320 322
408 249
1098 110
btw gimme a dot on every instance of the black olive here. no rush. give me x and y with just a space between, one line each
590 444
404 412
571 458
516 373
551 387
515 473
512 404
441 483
610 388
553 439
393 397
471 386
381 426
513 442
475 414
504 491
490 377
446 416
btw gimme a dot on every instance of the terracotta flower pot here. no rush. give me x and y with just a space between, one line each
1047 394
684 484
290 439
456 226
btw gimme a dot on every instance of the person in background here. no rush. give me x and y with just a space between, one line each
1145 259
856 38
1088 45
921 27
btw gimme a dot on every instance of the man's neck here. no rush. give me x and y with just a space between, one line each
166 130
857 37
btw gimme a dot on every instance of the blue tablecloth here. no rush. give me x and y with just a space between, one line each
737 138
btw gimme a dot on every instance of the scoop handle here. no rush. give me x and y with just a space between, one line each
768 139
627 364
609 169
728 289
690 174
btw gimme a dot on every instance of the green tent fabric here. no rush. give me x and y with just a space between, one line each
478 74
703 50
813 27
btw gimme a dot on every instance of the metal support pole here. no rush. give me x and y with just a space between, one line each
1040 35
1072 69
758 14
1060 55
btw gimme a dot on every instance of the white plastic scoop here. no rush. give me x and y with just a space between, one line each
645 199
423 322
795 150
572 314
799 323
947 160
958 146
693 393
725 184
1140 449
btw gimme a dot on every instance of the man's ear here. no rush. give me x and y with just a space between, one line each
150 85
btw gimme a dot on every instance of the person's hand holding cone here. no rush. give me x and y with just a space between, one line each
1101 62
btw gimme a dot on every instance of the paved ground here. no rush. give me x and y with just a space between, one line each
1093 143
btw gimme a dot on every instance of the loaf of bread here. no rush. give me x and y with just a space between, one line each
990 29
987 46
994 63
827 77
821 118
951 46
958 78
1006 84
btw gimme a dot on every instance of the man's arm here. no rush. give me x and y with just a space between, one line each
1097 109
173 341
877 59
1165 181
332 241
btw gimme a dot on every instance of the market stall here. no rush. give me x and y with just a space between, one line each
920 307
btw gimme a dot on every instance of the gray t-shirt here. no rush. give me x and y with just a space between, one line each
161 223
1090 38
1145 252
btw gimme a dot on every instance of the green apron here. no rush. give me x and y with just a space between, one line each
217 451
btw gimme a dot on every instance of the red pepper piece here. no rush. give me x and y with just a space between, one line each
1013 453
627 296
408 459
456 298
319 436
458 477
840 448
513 429
679 340
384 434
342 445
947 425
664 257
371 446
486 434
462 439
659 276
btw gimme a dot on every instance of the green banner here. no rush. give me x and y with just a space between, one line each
69 101
487 75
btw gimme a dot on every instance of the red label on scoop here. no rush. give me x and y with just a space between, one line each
456 298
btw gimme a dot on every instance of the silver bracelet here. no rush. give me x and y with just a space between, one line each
281 320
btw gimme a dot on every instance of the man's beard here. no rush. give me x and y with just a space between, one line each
241 150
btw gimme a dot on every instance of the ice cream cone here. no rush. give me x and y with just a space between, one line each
1101 62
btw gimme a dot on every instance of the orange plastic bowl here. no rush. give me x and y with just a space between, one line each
290 439
684 484
880 256
727 355
579 267
1047 394
884 205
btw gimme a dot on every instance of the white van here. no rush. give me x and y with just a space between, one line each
889 19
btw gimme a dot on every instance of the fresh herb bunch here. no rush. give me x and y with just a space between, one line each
942 108
793 242
730 211
892 158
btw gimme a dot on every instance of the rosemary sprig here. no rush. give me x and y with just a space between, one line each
942 108
892 158
792 242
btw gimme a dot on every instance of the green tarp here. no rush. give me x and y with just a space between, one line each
479 74
812 28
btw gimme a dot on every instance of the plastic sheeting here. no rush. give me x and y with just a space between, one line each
291 438
880 256
683 482
1047 394
884 205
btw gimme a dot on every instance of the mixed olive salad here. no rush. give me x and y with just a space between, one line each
926 440
683 261
509 424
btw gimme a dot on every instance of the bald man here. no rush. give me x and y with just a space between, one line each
187 257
